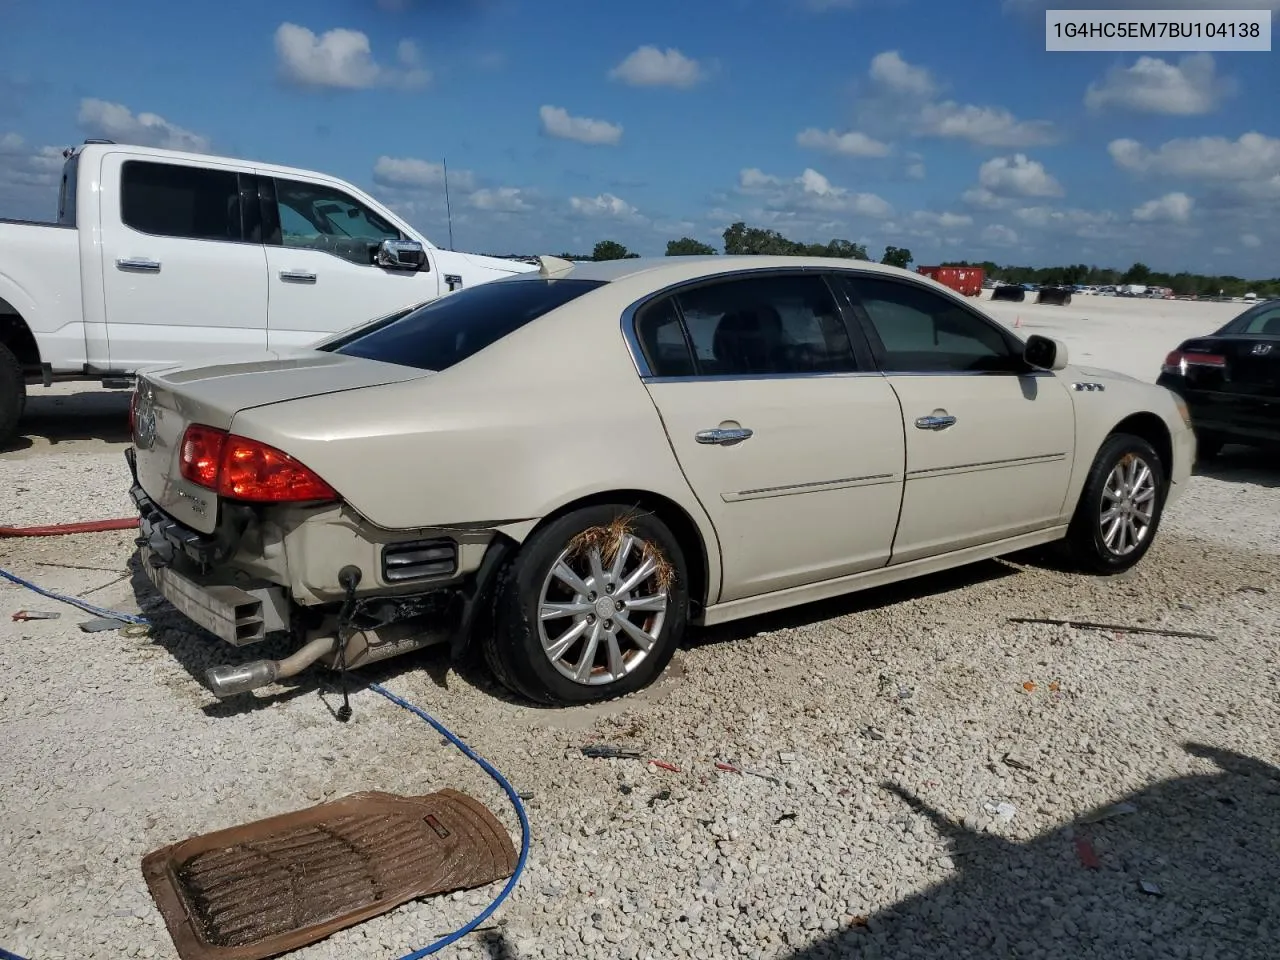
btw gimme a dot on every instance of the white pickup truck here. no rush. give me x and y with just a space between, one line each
159 256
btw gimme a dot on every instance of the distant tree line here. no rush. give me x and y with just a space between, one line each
740 239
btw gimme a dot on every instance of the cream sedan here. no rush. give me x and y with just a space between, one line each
569 466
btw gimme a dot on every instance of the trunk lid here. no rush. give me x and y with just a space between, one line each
1250 364
172 398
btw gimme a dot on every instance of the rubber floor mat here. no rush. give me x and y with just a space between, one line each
265 888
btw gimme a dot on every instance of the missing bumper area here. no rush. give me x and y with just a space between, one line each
237 615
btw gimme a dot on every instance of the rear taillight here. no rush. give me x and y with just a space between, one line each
238 468
1178 360
201 455
257 472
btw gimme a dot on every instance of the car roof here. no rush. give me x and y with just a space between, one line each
664 270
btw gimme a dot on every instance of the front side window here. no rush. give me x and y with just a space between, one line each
448 330
316 217
923 332
764 326
175 200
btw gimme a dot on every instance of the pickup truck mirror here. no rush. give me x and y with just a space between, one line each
401 255
1045 353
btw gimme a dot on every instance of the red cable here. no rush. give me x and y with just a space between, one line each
58 529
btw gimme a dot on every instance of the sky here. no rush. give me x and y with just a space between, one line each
941 126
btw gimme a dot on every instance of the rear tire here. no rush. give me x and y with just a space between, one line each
595 649
1120 506
13 395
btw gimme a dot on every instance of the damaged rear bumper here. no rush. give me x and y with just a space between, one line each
265 572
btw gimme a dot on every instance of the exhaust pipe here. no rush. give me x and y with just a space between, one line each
229 680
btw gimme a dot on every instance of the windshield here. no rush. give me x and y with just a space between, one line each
456 326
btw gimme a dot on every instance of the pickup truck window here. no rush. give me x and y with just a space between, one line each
67 191
173 200
316 217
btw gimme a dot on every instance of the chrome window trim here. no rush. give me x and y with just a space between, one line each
646 374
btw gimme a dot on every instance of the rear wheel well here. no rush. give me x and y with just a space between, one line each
1152 429
677 520
17 336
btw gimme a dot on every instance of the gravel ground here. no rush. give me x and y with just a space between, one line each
935 763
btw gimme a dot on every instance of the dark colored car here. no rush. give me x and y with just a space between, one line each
1230 380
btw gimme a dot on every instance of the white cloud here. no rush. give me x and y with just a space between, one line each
945 220
811 192
1153 85
647 66
851 144
1000 235
1172 207
984 126
1017 176
412 173
556 122
915 166
603 206
343 59
906 96
114 121
501 200
1251 157
1070 220
891 72
1250 240
28 177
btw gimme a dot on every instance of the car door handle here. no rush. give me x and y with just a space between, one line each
723 435
138 265
297 276
935 421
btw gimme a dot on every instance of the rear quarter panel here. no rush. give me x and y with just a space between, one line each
553 413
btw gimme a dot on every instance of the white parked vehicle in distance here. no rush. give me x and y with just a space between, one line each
159 257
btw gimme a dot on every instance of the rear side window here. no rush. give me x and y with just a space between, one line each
1263 319
67 191
448 330
171 200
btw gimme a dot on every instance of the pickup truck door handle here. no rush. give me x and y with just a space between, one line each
723 435
938 420
138 265
297 276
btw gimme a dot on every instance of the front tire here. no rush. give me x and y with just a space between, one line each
1120 506
591 608
13 395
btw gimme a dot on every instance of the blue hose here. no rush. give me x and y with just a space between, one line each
417 711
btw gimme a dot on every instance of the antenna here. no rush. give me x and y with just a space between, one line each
448 208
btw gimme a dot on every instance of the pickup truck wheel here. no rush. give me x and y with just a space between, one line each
13 395
1120 507
591 608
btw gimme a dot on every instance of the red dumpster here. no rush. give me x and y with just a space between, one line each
965 280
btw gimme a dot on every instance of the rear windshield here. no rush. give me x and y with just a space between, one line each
448 330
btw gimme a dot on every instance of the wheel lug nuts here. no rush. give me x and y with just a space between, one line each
592 596
608 624
591 618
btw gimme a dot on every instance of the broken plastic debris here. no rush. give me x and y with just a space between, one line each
663 765
1004 811
36 615
1116 810
1088 856
1029 686
786 757
1146 886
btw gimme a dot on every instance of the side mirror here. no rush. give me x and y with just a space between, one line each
401 255
1045 353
